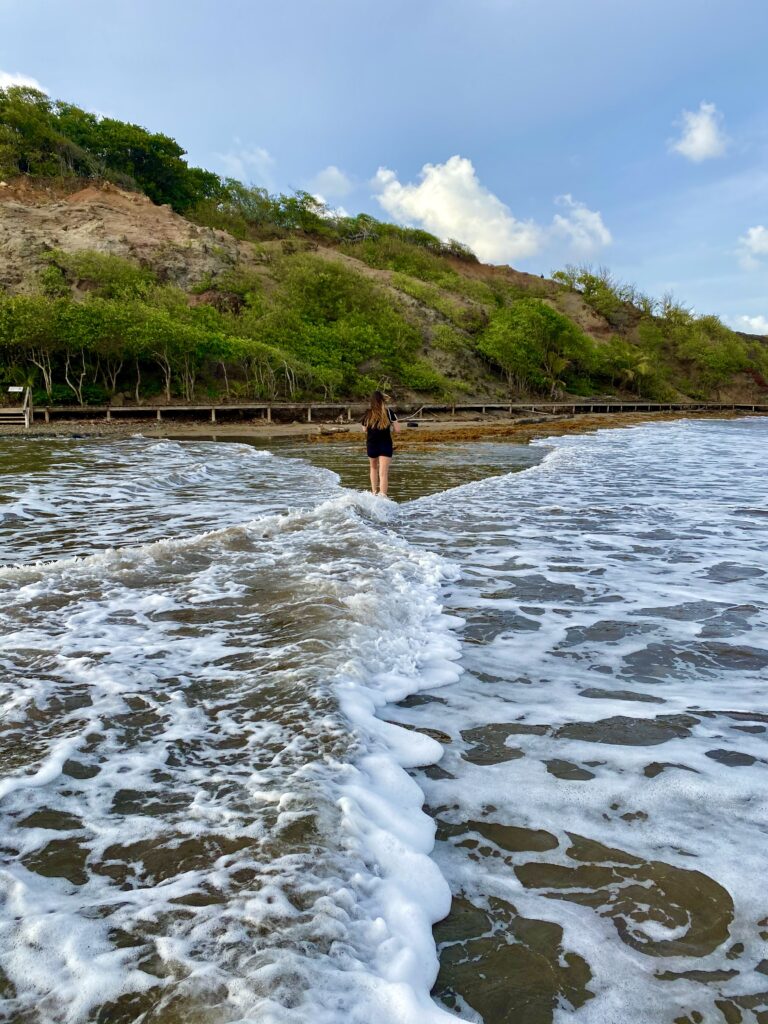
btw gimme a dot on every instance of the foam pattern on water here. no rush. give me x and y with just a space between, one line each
206 816
76 497
606 758
203 817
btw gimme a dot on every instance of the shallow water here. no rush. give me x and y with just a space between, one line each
207 816
601 801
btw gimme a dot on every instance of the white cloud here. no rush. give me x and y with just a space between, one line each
752 324
756 240
9 78
331 183
328 211
450 201
752 246
702 136
582 227
248 164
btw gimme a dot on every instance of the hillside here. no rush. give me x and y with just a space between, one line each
106 294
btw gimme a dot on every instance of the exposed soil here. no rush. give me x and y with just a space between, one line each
106 219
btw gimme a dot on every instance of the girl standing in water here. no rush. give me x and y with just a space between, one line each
379 422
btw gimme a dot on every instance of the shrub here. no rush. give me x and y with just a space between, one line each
421 376
394 253
110 276
448 339
535 346
601 291
95 394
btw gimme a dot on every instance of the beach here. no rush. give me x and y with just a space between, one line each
264 731
431 429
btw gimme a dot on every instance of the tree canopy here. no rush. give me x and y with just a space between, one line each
45 137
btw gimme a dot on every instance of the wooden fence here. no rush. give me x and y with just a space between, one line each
330 412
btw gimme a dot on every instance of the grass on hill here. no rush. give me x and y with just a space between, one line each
335 307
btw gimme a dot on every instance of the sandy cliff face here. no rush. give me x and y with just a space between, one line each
109 220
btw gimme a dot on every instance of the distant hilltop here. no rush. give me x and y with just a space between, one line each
124 272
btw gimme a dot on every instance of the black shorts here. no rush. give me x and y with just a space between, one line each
378 446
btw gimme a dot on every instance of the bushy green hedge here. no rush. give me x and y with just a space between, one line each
535 347
103 322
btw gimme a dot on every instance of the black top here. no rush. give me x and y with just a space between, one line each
379 433
379 439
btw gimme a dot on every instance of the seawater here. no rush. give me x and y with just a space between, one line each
262 731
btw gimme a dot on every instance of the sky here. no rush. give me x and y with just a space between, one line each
618 133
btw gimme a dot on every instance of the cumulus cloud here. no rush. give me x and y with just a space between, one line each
756 240
248 163
583 228
752 324
331 183
702 135
450 201
753 246
9 78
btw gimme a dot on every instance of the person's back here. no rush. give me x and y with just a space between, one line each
379 422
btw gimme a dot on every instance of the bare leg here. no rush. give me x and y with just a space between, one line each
384 462
374 474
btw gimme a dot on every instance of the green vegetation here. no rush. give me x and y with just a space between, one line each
47 138
536 347
323 330
665 348
325 305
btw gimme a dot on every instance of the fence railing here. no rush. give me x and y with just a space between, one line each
345 412
16 404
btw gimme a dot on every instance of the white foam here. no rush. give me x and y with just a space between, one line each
205 686
226 664
79 497
630 560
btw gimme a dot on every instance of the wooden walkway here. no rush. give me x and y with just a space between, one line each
15 414
327 412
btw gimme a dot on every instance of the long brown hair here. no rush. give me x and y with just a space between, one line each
377 415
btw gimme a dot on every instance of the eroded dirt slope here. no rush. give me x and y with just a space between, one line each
108 220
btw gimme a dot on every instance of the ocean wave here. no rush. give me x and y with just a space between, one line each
203 812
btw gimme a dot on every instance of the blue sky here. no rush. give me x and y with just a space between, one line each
541 132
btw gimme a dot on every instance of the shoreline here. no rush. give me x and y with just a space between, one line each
438 431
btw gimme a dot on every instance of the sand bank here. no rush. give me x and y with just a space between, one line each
429 431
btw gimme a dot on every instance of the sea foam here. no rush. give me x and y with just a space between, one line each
203 812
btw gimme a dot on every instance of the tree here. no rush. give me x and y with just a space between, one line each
533 345
29 329
44 137
554 365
